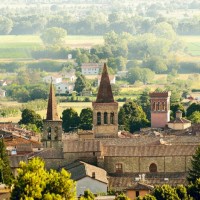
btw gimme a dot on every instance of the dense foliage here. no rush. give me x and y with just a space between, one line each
35 182
5 170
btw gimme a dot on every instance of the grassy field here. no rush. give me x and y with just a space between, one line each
192 44
20 46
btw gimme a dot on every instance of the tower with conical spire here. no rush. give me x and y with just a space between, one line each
52 133
105 109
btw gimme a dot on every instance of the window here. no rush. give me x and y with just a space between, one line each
93 174
98 118
153 167
137 193
49 133
154 106
112 118
158 106
105 118
163 106
118 168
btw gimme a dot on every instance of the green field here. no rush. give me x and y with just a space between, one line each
20 46
192 44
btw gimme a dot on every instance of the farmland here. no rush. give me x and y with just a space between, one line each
14 47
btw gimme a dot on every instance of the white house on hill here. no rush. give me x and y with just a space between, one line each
91 68
55 79
64 87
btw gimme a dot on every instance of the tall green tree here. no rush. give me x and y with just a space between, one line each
31 117
5 170
132 117
80 83
194 189
70 120
35 182
86 118
194 170
6 25
192 108
53 36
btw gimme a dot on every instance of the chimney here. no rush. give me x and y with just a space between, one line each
178 114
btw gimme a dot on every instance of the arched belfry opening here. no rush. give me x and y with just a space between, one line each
52 130
105 109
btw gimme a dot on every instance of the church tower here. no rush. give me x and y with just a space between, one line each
105 109
160 109
52 132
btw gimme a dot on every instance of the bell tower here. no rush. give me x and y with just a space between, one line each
52 133
105 109
160 109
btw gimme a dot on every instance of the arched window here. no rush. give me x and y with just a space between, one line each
158 106
105 118
112 118
118 168
49 133
98 118
154 106
163 106
153 167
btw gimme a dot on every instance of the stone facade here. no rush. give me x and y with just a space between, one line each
105 119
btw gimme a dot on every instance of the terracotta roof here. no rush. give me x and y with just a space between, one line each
52 113
179 120
157 150
50 153
105 92
16 141
91 65
140 186
81 169
160 94
81 146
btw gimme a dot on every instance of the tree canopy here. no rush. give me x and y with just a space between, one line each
86 119
35 182
70 120
194 171
53 36
132 117
31 117
5 170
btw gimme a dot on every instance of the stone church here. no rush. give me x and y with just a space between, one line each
157 155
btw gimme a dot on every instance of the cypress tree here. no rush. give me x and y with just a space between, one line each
5 170
194 171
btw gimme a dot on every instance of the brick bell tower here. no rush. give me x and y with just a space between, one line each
160 109
105 109
52 133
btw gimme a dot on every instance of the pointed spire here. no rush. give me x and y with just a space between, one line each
105 92
52 113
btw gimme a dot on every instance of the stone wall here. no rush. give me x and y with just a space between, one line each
141 164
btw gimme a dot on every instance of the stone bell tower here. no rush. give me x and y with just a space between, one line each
160 109
52 133
105 109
